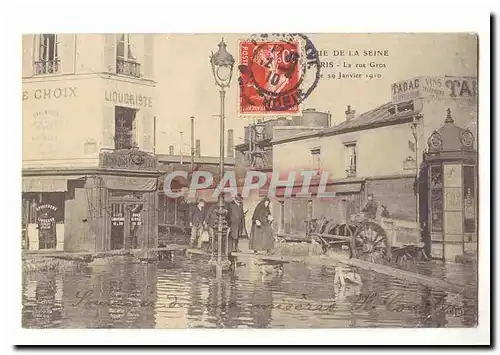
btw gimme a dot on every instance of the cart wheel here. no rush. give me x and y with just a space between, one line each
345 230
371 242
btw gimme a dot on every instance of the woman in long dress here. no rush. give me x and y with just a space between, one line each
261 234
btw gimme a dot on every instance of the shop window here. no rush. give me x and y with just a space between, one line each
47 61
350 159
45 210
126 60
124 127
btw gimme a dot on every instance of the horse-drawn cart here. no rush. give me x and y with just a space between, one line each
375 240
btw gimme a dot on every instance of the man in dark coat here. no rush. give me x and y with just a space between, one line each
197 222
236 222
370 208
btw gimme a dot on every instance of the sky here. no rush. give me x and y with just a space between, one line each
186 87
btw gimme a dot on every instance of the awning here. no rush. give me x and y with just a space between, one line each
45 184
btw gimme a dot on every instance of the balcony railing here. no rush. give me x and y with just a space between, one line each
47 67
127 67
350 172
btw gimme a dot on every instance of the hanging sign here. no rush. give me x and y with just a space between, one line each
46 216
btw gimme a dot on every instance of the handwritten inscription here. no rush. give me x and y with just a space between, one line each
392 302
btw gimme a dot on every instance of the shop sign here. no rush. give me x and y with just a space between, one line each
427 87
50 94
135 218
128 159
46 216
128 98
118 219
409 163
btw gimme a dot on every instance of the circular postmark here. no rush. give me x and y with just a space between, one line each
283 70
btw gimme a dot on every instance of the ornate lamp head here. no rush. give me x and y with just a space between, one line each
222 65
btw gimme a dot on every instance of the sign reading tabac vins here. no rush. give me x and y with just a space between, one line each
431 87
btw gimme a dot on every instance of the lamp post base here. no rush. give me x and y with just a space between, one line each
224 264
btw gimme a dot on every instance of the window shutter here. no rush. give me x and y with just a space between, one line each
147 65
67 52
28 58
108 127
110 53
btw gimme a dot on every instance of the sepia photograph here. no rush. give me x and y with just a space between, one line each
259 180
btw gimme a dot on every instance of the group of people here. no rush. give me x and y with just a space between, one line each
204 223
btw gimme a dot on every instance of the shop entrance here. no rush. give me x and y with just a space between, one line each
127 215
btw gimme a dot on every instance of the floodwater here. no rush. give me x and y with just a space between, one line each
185 293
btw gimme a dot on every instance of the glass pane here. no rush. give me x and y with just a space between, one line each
436 200
129 45
437 221
135 225
469 200
43 47
51 41
120 48
436 176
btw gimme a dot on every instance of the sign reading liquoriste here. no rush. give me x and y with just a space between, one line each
434 87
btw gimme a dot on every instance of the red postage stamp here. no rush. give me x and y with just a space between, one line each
269 78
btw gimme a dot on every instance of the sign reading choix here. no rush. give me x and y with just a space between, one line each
50 93
448 87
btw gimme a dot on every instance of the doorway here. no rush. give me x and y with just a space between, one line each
126 224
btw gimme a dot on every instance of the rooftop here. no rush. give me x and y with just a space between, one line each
381 116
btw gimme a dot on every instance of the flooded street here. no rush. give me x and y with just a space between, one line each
186 293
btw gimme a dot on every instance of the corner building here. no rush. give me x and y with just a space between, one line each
89 175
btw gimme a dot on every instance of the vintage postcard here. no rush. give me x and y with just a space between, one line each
261 180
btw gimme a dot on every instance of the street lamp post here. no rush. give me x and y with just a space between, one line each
222 63
416 132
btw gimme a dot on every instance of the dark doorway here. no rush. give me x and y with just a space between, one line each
124 127
117 226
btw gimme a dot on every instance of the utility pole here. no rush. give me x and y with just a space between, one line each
154 135
182 145
192 143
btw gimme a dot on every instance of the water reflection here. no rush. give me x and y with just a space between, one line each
186 294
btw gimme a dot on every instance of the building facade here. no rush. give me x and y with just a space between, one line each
89 178
382 152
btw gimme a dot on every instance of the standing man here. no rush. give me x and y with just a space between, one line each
236 222
197 222
370 208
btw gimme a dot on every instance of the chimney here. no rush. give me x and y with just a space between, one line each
170 150
198 148
349 114
230 144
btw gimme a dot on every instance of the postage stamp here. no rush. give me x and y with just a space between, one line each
273 72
